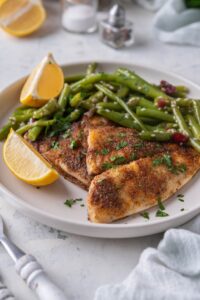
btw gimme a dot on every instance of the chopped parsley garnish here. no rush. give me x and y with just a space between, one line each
67 134
71 202
118 160
55 145
133 156
166 160
60 126
157 162
104 151
138 146
161 213
160 204
121 145
182 209
145 215
80 134
82 205
180 197
121 134
107 165
73 145
115 161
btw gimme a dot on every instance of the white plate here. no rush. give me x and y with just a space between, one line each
47 204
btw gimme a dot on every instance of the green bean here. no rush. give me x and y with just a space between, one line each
92 100
23 110
34 132
153 113
21 118
156 136
133 101
119 118
91 79
110 105
149 121
96 97
182 89
41 123
194 126
74 78
140 85
4 131
123 92
63 99
112 96
183 126
74 115
91 68
87 105
182 102
110 86
48 109
196 107
76 99
146 103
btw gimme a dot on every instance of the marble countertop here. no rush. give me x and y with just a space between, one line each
80 264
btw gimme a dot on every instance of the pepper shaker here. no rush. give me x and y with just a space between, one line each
116 31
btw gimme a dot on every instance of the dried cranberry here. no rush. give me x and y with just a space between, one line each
178 137
167 87
161 103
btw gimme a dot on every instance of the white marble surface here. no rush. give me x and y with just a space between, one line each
79 264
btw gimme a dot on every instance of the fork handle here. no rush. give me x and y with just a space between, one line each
32 273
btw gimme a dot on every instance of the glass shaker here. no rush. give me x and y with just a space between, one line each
79 16
116 31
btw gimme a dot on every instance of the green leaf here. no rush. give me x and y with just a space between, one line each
71 202
121 134
104 151
107 165
73 145
121 145
160 204
118 160
145 215
161 213
55 145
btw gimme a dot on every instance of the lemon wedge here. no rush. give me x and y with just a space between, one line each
21 17
25 163
45 82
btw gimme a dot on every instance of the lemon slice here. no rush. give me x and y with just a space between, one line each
25 163
45 82
21 17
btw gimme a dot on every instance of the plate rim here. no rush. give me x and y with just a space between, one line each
12 198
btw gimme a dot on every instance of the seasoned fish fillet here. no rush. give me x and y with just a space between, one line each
110 146
131 188
71 163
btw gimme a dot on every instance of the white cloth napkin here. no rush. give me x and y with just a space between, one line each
174 23
172 271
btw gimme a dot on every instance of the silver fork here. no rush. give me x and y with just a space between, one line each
30 271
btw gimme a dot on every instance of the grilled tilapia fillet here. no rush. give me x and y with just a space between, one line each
134 187
110 146
70 163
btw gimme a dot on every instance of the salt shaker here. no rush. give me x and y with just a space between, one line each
116 31
79 16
